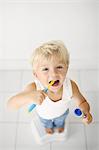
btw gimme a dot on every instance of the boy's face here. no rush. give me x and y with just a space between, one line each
51 69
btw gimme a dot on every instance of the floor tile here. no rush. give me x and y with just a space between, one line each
89 80
27 77
24 115
7 135
26 139
27 148
75 141
7 148
74 75
7 115
92 133
10 81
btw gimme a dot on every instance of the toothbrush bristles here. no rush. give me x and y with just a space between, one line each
51 83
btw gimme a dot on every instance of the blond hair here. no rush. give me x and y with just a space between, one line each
47 50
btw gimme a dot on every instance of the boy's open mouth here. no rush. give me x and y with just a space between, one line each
55 83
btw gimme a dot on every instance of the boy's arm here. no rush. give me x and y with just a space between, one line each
81 102
22 98
77 96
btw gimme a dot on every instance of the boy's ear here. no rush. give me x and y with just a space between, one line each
34 74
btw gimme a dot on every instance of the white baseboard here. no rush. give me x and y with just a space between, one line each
25 65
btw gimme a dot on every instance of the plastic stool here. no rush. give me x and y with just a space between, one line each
41 137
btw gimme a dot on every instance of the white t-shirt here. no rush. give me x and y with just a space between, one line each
50 109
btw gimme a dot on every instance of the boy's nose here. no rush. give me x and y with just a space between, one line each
53 73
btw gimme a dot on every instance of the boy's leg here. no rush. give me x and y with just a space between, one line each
59 122
48 124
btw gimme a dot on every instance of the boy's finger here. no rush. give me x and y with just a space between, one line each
44 93
87 120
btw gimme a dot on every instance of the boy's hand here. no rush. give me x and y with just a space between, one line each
39 96
85 108
87 119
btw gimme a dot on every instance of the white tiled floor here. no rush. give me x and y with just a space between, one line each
75 141
15 131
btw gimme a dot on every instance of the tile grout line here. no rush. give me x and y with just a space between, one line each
18 114
17 124
51 145
86 144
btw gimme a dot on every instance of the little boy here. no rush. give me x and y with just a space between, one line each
50 62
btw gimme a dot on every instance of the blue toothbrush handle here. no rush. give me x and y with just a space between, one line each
31 107
34 105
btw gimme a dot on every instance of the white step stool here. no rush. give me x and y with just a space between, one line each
41 137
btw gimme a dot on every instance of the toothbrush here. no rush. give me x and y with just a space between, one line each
45 90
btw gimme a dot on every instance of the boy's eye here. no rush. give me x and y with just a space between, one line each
45 69
59 67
